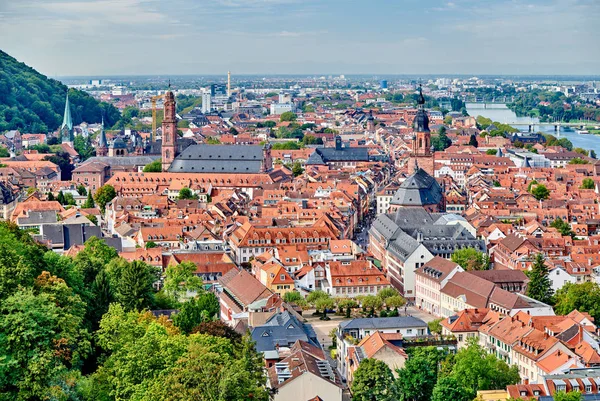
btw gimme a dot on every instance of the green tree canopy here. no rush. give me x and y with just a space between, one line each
202 308
287 116
584 297
154 167
416 379
588 183
470 259
373 382
297 169
540 192
475 369
42 340
180 279
89 202
104 194
447 388
540 286
186 193
563 227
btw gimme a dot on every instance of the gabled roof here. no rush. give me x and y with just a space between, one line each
243 287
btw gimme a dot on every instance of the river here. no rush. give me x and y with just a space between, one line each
502 114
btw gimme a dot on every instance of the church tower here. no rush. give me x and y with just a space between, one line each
169 131
66 128
422 152
371 122
102 149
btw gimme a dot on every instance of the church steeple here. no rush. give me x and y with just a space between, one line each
66 129
421 123
422 137
102 142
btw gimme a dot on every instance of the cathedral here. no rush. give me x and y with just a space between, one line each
422 154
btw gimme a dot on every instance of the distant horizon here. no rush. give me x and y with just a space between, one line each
67 38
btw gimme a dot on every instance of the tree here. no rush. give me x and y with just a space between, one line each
154 167
297 169
134 288
435 326
470 259
372 382
287 116
540 286
588 183
578 160
563 227
180 279
372 302
81 190
63 160
195 311
84 147
292 297
324 304
593 154
217 328
540 192
570 396
151 244
42 340
104 194
92 219
584 297
186 193
441 141
447 388
473 141
416 379
387 292
476 369
491 152
581 151
89 203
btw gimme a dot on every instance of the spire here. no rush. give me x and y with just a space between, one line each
67 121
102 143
421 122
421 98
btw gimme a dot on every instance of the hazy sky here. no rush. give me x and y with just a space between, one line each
110 37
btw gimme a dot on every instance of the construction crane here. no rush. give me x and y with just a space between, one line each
154 99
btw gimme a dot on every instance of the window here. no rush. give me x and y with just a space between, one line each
408 331
282 276
460 337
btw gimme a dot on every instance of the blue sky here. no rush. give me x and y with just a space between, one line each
112 37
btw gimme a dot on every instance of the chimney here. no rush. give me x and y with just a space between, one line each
526 381
546 336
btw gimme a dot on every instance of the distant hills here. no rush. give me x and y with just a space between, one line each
34 103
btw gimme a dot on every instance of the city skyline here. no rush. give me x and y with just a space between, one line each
107 37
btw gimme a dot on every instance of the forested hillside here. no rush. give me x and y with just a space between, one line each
79 329
33 103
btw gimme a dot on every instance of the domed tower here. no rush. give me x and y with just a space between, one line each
421 143
422 138
169 131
